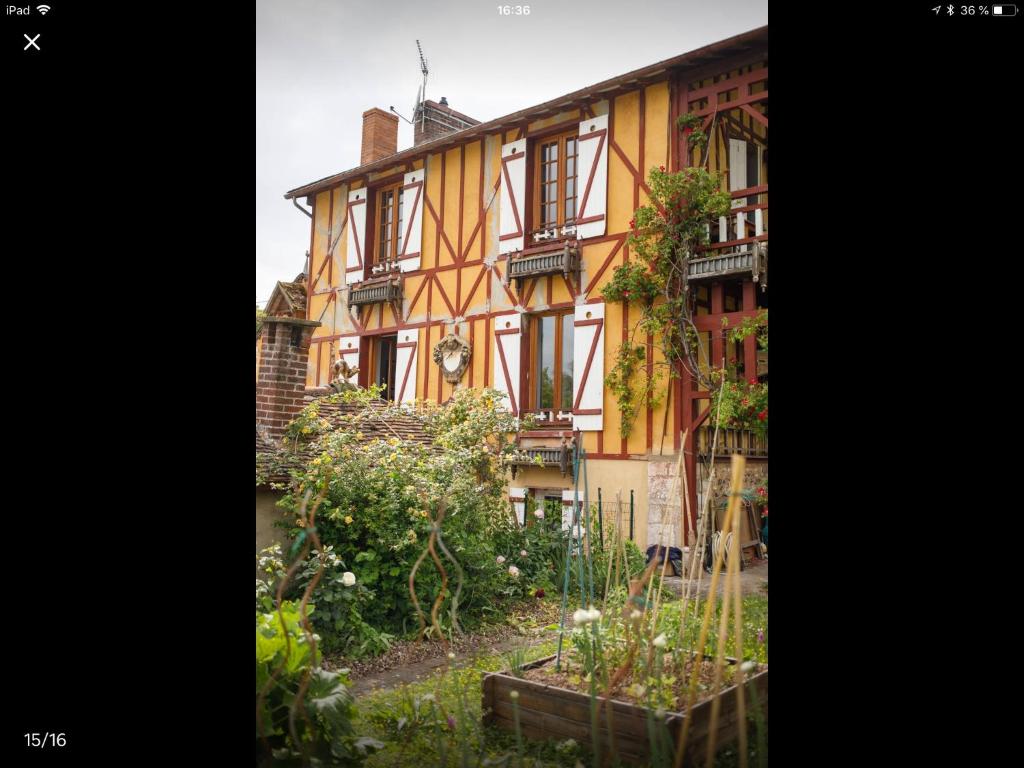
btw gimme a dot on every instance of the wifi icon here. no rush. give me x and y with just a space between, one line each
43 9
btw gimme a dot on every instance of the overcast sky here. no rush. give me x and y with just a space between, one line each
321 63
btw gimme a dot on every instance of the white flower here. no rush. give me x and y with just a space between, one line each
501 559
660 641
568 745
513 572
522 553
427 697
348 578
451 656
514 695
583 616
539 514
748 666
635 615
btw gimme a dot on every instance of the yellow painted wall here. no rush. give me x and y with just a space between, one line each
465 288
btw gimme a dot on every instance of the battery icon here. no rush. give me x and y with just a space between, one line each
1004 10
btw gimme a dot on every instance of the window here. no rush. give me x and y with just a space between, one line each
554 184
382 364
549 376
389 224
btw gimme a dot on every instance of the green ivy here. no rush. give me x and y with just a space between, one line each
663 236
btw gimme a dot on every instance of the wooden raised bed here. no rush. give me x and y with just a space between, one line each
550 712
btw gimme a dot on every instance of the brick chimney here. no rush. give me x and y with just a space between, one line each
281 379
380 135
433 120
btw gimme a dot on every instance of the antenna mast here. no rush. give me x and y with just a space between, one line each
423 90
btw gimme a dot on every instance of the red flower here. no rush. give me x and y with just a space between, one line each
632 223
753 381
763 415
761 491
661 168
539 593
687 131
745 401
764 512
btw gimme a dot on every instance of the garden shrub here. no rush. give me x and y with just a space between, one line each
382 496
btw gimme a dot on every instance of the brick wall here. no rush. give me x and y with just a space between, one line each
440 121
281 377
380 135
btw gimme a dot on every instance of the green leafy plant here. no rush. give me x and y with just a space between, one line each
664 235
383 494
287 668
741 404
340 601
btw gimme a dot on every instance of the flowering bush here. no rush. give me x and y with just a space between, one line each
744 405
382 496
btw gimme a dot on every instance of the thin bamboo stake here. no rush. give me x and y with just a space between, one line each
731 590
697 555
741 705
699 650
708 493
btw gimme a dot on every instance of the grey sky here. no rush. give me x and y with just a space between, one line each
321 63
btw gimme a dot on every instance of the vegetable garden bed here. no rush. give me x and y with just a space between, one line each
553 712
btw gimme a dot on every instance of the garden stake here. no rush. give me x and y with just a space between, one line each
703 637
565 597
631 514
716 686
586 511
514 695
737 599
578 518
731 591
702 541
657 601
600 521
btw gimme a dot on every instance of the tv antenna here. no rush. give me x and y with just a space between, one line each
421 93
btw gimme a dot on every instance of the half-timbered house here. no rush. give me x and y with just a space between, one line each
503 232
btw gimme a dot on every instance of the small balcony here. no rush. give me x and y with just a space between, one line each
741 246
553 255
744 442
544 456
377 290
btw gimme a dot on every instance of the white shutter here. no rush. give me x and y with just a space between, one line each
592 177
588 368
513 197
356 226
348 350
737 168
744 172
518 498
507 352
412 213
405 367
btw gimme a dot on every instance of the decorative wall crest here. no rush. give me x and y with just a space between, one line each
452 354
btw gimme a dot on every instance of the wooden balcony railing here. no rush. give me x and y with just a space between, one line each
745 442
376 290
560 257
742 241
544 456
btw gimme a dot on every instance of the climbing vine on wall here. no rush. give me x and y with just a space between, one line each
664 235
